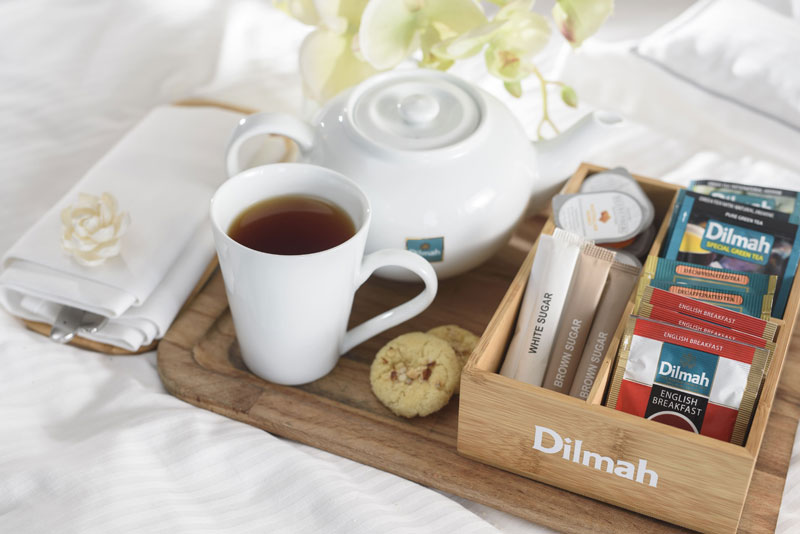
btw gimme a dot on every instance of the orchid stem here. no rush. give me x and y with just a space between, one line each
545 112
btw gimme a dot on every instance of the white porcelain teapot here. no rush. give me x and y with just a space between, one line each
447 168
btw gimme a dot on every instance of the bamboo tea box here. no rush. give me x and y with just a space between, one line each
588 448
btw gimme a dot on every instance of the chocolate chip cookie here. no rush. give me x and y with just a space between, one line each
462 341
415 374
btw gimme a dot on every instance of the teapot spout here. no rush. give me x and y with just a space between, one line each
559 157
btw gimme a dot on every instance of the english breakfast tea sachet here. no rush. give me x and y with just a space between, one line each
731 298
706 311
687 379
665 315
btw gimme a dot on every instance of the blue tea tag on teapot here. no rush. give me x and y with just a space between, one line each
431 248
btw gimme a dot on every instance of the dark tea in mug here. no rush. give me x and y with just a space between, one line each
292 225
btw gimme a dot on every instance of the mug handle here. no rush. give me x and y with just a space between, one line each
395 258
265 124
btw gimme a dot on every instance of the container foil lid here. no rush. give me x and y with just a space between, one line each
603 217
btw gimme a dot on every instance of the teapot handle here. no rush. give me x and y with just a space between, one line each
266 124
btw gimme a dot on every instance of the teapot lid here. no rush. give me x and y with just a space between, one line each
415 109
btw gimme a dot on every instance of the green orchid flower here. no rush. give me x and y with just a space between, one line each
391 30
579 19
330 59
330 63
512 39
303 10
511 50
355 39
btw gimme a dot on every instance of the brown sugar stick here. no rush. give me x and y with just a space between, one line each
587 285
618 288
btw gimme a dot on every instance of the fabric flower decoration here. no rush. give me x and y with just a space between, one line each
92 229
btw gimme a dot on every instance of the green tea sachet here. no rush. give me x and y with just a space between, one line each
722 234
763 197
687 379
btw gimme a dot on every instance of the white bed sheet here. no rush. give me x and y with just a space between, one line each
93 443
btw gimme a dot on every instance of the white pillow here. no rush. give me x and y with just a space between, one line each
724 75
738 50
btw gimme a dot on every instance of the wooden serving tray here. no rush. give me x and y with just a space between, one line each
199 362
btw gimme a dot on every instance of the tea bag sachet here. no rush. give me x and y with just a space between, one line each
722 234
687 379
542 305
769 198
587 286
705 311
680 272
665 315
746 292
735 299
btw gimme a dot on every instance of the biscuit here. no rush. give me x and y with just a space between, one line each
415 374
463 343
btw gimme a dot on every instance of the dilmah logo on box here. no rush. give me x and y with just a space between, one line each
549 441
430 248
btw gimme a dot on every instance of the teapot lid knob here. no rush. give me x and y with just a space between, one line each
415 110
418 108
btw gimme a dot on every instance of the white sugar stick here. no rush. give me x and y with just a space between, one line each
542 305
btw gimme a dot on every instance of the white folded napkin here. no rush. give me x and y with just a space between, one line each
163 173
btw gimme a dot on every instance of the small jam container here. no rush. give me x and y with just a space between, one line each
602 217
619 179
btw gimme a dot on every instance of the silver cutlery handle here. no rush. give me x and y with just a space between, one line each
71 321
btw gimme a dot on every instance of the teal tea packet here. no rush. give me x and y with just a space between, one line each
673 216
679 272
728 235
769 198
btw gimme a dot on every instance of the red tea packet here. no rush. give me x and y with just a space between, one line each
687 379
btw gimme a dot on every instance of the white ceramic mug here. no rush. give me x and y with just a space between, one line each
291 312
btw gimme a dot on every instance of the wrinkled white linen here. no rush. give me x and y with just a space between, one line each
90 446
93 443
